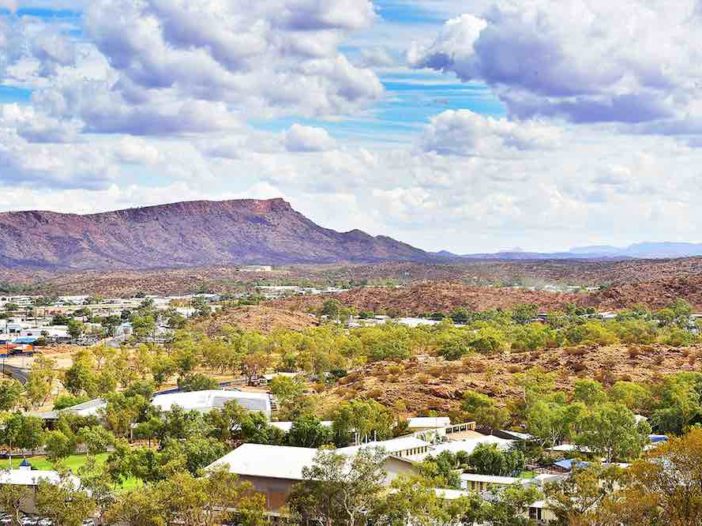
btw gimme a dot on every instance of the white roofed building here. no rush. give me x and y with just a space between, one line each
30 478
426 423
274 470
86 409
205 401
402 447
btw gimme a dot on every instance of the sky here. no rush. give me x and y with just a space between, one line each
461 125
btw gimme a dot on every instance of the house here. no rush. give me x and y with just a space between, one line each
538 511
30 478
274 470
402 447
89 408
428 423
202 401
256 268
541 512
481 483
205 401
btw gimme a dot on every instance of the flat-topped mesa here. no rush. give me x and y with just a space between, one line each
185 234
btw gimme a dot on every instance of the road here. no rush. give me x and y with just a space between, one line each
21 374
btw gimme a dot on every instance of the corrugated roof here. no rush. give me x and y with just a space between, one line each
213 399
393 445
434 422
490 479
29 477
259 460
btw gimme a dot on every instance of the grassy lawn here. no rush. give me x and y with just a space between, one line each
73 463
527 475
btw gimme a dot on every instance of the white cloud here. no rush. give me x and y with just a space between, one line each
54 165
463 132
307 139
377 57
137 151
34 126
586 60
279 56
453 49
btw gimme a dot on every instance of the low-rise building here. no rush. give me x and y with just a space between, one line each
274 470
205 401
30 478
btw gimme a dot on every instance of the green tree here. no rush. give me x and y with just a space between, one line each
635 396
589 392
67 400
509 506
75 328
123 411
22 432
59 445
524 313
64 503
679 403
81 377
197 382
550 422
413 501
11 392
453 345
483 410
488 340
611 430
40 380
340 490
184 499
137 508
487 459
192 455
442 470
363 420
96 439
331 309
576 499
308 431
286 389
460 315
12 500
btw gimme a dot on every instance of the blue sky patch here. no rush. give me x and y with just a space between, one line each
12 94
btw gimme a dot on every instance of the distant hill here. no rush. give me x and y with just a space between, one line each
187 234
665 250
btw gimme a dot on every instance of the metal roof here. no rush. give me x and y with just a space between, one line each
30 477
433 422
212 399
490 479
260 460
393 445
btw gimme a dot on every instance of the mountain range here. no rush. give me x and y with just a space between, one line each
647 250
235 232
186 234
